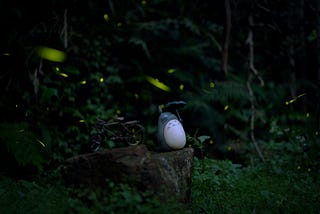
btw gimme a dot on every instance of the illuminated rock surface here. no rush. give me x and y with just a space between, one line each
166 174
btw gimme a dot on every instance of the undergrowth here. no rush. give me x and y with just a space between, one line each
218 186
20 196
224 187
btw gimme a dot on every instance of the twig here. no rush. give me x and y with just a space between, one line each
253 71
253 112
35 78
251 52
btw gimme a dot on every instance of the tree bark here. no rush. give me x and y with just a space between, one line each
318 62
318 42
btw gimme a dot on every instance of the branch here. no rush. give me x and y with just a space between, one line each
252 71
251 52
252 119
64 31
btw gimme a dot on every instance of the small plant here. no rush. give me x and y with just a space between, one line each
197 142
20 141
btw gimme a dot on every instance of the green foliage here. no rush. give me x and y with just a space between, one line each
224 187
29 197
23 144
121 198
292 148
24 196
222 107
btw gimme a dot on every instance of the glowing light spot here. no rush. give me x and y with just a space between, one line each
181 87
119 24
226 107
51 54
21 130
157 83
316 133
82 121
298 167
106 17
307 115
229 148
57 71
63 74
212 85
171 70
101 80
42 144
6 54
294 99
118 111
301 95
136 96
143 2
16 105
309 170
83 82
211 141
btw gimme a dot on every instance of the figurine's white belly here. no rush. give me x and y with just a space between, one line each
174 134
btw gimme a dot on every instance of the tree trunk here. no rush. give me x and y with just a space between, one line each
318 63
318 41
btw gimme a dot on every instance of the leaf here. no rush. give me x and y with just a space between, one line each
114 79
48 94
203 138
191 26
143 44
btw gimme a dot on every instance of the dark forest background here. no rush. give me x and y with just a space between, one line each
248 70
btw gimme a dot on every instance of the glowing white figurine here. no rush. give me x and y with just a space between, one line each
171 135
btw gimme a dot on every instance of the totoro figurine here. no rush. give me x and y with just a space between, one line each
171 135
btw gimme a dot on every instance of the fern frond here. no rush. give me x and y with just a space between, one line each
190 25
142 44
227 91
